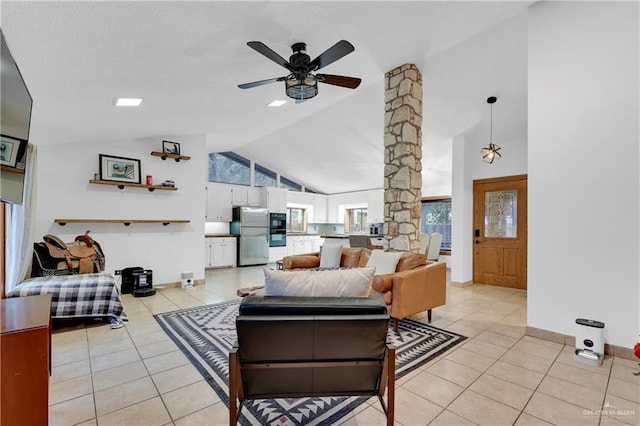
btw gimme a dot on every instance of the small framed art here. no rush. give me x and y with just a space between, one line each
170 147
10 149
119 169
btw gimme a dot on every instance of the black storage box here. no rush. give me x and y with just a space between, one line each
143 283
137 281
127 282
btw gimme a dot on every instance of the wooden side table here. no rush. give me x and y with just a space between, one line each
25 360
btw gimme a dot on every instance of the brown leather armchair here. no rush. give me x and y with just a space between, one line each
416 286
409 291
292 347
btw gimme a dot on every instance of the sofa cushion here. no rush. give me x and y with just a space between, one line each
351 257
411 261
301 261
385 262
330 255
382 283
353 282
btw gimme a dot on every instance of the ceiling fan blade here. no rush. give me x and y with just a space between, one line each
262 48
339 80
260 83
332 54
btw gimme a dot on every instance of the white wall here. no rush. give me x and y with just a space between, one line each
583 167
64 191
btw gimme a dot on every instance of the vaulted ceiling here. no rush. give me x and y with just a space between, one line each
187 58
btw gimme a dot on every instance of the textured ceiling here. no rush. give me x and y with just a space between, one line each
187 58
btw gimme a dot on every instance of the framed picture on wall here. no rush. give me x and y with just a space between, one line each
119 169
170 147
10 150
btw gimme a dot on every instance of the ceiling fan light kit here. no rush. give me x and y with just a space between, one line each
491 152
301 84
301 89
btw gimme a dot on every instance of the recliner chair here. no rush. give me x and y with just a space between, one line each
293 347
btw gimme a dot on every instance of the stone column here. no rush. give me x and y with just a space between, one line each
402 158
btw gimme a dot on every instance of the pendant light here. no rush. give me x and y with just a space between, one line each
491 152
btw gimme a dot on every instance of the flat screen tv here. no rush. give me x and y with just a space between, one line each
15 120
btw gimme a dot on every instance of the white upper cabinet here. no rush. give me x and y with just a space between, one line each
375 210
319 209
218 203
277 199
247 196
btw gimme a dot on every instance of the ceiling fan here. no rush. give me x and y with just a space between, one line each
301 84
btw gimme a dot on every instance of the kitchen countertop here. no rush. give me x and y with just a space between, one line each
219 235
347 235
302 234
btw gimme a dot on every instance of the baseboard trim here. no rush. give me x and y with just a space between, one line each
178 284
461 284
612 350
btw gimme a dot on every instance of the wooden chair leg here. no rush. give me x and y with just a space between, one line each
391 385
395 324
233 387
429 315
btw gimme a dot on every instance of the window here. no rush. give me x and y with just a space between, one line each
296 219
264 176
289 184
356 220
436 217
228 167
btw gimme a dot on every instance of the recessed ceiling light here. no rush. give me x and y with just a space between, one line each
277 103
127 101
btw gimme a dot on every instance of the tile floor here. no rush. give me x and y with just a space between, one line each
136 375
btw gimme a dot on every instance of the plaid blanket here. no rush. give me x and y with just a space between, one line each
77 296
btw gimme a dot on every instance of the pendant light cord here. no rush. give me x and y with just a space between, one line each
491 128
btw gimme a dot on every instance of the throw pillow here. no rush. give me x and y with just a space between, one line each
328 283
330 255
385 262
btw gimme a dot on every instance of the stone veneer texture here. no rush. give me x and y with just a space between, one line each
402 158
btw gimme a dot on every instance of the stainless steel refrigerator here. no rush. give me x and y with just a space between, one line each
251 225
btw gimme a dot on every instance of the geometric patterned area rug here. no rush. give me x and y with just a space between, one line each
206 333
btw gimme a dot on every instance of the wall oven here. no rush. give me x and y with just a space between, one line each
277 229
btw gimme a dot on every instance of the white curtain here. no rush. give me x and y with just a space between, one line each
21 221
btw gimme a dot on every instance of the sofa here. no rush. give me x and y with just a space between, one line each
417 285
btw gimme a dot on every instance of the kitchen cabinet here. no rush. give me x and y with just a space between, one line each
220 252
319 209
218 203
333 207
247 196
277 200
277 253
377 242
375 208
301 244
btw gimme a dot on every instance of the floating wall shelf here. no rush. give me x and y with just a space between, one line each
125 222
11 169
121 185
165 155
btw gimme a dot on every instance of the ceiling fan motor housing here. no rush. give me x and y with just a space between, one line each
300 60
